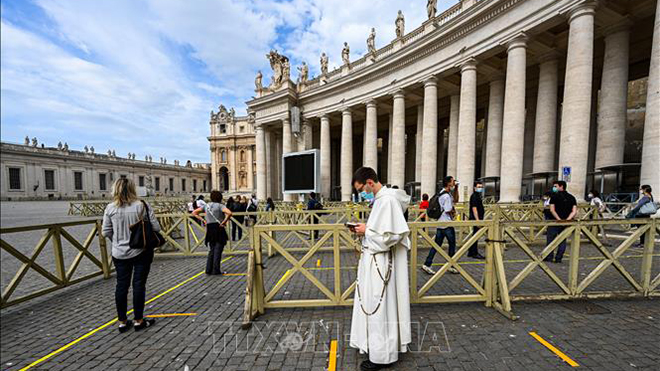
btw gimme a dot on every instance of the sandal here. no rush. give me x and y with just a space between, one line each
123 327
147 322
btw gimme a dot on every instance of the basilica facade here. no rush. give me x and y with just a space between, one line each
516 93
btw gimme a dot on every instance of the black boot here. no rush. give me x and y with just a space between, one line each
370 366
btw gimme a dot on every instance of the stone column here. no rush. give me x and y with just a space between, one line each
612 110
308 135
371 136
545 134
650 173
270 148
277 170
389 147
419 137
513 131
325 156
576 112
287 145
261 162
494 132
346 161
429 148
250 168
467 126
399 140
452 144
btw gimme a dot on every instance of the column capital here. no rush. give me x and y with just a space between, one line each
285 121
324 116
469 64
586 8
398 94
431 81
518 41
346 111
371 103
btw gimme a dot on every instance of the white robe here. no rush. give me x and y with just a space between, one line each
387 332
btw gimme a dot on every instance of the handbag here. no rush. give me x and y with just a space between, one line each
143 235
648 208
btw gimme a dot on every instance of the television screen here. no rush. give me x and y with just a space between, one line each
300 171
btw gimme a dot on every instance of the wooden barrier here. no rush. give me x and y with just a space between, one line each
493 288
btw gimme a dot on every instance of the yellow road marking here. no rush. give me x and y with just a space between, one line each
234 274
283 276
170 315
332 357
85 336
554 350
318 263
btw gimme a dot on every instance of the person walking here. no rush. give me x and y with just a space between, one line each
446 202
270 205
380 324
476 213
240 206
132 265
191 205
314 205
216 217
563 207
640 210
423 205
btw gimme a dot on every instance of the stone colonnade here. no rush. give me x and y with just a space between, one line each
506 119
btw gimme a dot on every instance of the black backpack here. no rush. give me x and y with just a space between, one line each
435 209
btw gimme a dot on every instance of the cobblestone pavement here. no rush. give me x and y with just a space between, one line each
605 335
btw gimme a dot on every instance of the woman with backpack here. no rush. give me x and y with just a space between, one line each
133 264
216 217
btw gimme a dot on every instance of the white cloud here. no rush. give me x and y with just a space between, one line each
142 76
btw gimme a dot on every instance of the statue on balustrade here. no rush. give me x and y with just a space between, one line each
371 42
257 82
345 54
303 72
431 8
400 25
324 64
281 69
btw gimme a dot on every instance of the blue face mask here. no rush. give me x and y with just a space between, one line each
479 190
367 195
555 189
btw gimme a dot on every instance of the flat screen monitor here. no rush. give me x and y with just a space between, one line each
301 172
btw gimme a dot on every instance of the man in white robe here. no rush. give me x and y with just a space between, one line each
381 308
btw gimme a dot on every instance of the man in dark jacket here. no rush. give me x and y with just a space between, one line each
476 213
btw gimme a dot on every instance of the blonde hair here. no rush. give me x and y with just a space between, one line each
123 192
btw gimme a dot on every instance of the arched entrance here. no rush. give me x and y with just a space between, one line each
224 179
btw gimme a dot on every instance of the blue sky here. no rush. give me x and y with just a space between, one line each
143 76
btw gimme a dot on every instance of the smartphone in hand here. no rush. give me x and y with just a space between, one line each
350 225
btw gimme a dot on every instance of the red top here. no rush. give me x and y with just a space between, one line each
424 205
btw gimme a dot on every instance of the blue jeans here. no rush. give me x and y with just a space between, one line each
552 233
138 267
440 235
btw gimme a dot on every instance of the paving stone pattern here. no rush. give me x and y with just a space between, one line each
468 336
